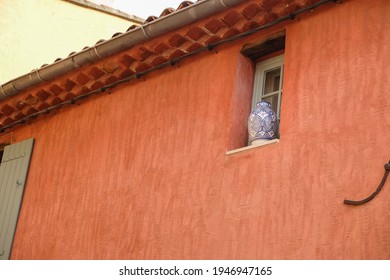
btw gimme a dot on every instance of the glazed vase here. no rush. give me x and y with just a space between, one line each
262 123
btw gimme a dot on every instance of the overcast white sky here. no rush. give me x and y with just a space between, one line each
141 8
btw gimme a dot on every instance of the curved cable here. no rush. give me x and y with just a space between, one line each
360 202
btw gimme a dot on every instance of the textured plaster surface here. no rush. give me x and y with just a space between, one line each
142 173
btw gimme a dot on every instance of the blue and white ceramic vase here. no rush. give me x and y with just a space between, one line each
262 123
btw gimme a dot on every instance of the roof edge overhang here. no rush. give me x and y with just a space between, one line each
116 44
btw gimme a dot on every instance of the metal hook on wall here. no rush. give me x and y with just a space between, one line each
360 202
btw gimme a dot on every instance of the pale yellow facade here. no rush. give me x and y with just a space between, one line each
36 32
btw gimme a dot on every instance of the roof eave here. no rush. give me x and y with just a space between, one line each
116 44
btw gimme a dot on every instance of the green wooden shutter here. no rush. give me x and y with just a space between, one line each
13 174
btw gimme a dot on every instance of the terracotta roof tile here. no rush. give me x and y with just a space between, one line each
196 32
29 110
127 60
252 10
143 53
92 86
19 105
214 25
184 4
110 67
177 40
232 17
69 95
210 39
42 95
55 89
56 100
124 73
82 78
132 27
7 121
250 25
6 109
140 66
150 19
19 115
116 34
96 73
111 79
161 48
43 106
176 54
167 11
80 90
68 84
157 60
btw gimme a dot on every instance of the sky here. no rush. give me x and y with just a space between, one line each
141 8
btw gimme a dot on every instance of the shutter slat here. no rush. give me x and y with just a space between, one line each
6 171
13 174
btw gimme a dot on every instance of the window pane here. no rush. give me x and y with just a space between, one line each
274 102
272 81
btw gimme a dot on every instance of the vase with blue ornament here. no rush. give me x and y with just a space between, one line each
262 123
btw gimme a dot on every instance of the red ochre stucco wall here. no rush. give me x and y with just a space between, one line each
142 173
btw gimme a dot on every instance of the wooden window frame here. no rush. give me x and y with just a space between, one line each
262 68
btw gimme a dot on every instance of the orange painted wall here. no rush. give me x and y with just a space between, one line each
142 173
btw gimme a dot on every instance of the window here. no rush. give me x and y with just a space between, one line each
13 173
268 84
259 77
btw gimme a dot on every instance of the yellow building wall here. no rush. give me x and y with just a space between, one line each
36 32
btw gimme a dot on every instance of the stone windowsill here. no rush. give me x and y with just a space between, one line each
253 146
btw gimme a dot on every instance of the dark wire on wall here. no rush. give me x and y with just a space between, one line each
379 188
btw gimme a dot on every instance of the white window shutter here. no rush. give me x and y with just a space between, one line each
13 174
